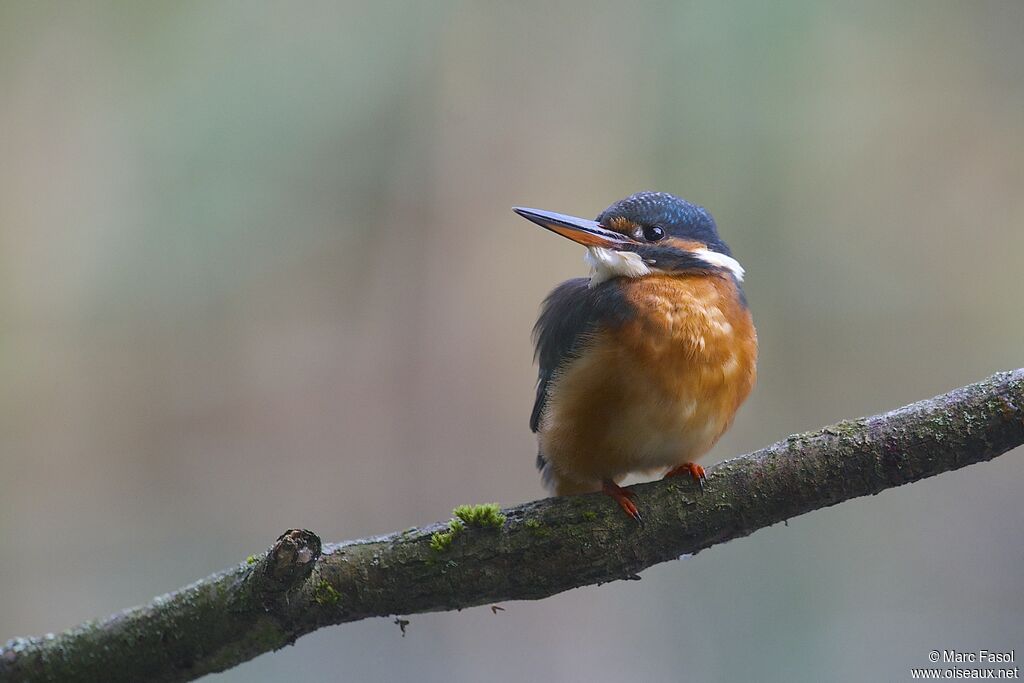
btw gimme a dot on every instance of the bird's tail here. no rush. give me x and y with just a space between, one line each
547 475
560 486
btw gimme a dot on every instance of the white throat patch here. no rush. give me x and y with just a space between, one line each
718 260
606 264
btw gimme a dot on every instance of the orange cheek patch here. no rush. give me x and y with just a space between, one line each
684 245
623 225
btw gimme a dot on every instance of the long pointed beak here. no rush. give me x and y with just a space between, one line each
579 230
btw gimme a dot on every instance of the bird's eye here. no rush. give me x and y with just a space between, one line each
653 233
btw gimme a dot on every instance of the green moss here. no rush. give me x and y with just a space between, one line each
326 594
442 540
589 515
484 515
537 528
252 559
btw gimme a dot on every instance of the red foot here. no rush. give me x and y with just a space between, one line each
695 471
624 497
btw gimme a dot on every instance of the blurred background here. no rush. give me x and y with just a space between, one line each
258 270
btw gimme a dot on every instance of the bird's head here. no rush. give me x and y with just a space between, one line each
644 233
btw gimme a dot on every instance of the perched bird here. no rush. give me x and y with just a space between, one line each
644 364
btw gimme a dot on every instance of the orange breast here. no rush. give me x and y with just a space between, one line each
656 392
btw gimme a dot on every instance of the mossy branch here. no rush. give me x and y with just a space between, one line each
530 551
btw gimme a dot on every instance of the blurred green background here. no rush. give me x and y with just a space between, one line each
258 270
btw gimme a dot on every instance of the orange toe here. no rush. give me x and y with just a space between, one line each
695 471
624 497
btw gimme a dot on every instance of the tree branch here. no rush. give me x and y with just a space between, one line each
535 550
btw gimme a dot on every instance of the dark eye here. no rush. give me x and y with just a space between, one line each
653 233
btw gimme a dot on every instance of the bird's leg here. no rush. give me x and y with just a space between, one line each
624 497
695 471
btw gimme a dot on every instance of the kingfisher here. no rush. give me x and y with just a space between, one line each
642 365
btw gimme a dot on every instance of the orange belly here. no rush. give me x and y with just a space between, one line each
657 392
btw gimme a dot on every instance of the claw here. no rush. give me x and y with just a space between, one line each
624 497
695 471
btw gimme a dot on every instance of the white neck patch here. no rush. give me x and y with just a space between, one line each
719 260
606 264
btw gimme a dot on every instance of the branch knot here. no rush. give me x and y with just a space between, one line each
290 560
